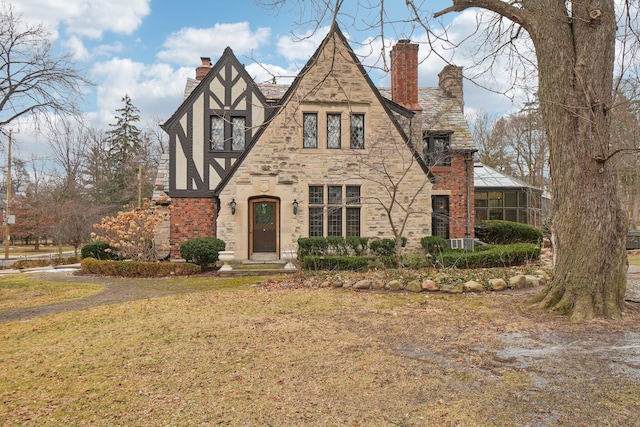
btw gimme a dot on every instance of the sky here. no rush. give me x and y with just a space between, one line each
147 49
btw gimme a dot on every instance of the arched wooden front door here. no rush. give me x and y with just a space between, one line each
264 228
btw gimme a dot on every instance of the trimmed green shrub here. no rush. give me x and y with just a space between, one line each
312 246
99 250
358 245
492 256
434 244
506 232
385 247
202 250
345 263
137 269
44 262
416 260
337 245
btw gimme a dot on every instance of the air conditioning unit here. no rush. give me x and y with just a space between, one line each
456 243
461 244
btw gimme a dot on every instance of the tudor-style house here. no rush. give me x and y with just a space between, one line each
261 165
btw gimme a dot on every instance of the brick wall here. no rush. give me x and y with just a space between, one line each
191 217
404 74
454 178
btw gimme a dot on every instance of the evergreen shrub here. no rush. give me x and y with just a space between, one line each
99 250
312 246
499 232
202 251
343 263
434 244
137 268
492 256
385 247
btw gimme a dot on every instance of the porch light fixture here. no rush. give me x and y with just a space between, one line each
295 206
233 206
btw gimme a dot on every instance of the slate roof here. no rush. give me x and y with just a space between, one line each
442 113
161 184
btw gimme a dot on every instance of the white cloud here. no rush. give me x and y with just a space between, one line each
301 48
86 18
78 51
266 72
189 44
156 90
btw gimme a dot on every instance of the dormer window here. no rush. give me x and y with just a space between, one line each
437 149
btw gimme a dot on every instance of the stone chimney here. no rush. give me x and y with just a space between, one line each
404 74
451 82
204 69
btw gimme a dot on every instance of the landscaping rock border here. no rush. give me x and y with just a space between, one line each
380 282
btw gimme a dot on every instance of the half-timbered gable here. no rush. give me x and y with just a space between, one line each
213 127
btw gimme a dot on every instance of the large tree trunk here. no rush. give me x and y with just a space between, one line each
575 64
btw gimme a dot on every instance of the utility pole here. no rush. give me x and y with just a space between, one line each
7 237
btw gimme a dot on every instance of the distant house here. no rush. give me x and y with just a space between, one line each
503 197
261 165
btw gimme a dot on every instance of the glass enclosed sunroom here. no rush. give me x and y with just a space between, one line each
501 197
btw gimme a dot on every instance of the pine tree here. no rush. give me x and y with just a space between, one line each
125 145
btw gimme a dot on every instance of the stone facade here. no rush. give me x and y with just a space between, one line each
276 169
278 166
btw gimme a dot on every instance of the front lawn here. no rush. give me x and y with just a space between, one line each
21 290
287 354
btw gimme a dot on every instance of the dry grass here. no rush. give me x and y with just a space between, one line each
288 355
21 290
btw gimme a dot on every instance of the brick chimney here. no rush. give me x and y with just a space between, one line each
451 82
204 69
404 74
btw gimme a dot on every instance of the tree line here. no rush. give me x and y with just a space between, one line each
91 173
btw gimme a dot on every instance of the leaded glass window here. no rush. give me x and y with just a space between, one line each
440 216
335 195
238 130
353 195
334 221
310 130
333 131
357 131
437 150
316 194
316 222
217 133
342 215
353 221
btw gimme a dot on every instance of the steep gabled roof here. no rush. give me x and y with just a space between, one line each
276 90
194 88
441 112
